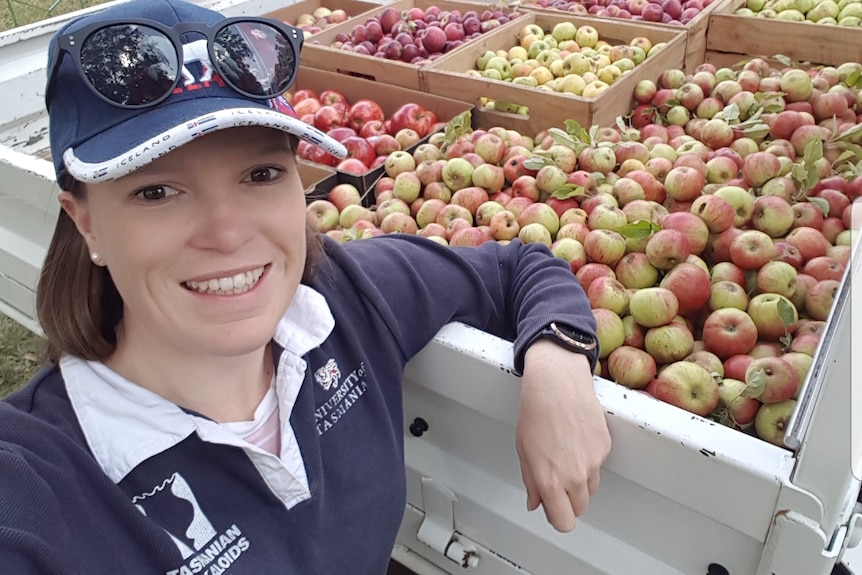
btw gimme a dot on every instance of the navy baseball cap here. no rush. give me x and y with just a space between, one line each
94 141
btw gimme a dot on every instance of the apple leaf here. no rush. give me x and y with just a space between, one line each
755 383
621 124
785 60
457 127
756 131
538 161
639 229
599 177
786 312
574 129
730 113
785 340
564 139
853 78
813 152
722 415
569 191
845 155
850 132
820 203
773 108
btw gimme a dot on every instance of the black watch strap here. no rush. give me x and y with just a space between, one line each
572 339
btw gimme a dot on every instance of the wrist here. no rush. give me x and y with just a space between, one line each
571 339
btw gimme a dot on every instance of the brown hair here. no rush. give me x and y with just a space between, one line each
77 303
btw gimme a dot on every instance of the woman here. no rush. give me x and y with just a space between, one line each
226 390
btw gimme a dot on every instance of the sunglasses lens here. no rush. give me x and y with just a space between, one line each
130 65
255 58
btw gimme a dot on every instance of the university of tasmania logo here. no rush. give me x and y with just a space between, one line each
328 375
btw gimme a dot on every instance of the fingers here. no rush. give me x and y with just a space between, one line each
560 508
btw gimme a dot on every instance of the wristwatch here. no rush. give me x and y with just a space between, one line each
572 339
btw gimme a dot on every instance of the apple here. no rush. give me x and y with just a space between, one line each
608 293
771 380
414 117
533 233
824 268
592 270
772 215
810 242
777 277
772 420
741 200
609 331
724 294
631 367
751 249
666 248
653 307
691 286
572 251
363 111
504 225
669 343
604 246
820 298
742 410
322 215
354 213
635 271
728 332
687 386
691 226
774 315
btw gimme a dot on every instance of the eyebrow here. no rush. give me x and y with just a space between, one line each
258 149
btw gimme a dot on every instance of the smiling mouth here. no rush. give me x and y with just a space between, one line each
230 285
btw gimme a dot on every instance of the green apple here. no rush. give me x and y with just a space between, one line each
564 31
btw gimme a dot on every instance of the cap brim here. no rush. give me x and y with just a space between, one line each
143 138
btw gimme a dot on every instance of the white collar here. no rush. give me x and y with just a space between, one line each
125 424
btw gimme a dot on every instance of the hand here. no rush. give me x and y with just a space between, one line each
562 435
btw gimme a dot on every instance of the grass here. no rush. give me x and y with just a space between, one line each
20 355
14 13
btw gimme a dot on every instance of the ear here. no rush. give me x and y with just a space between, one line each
79 211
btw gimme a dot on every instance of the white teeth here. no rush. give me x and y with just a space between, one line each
232 285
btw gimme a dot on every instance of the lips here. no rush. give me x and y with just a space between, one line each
227 285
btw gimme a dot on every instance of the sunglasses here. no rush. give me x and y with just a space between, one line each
138 63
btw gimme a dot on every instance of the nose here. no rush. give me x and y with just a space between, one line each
221 221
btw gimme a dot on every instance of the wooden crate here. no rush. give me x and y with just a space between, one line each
748 36
293 11
729 60
390 99
447 75
695 30
318 53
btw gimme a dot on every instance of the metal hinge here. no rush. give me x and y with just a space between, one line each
438 527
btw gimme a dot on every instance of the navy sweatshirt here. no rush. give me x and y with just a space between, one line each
100 476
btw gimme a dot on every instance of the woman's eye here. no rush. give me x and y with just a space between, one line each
264 174
155 193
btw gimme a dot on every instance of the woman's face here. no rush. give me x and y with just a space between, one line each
206 245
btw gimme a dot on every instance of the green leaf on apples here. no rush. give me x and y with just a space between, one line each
785 340
850 132
574 129
599 177
638 230
538 161
562 138
785 60
621 124
854 149
820 203
773 108
756 131
845 155
567 191
813 152
730 113
786 312
755 383
722 415
460 125
854 79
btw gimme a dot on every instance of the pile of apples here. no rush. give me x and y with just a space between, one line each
362 126
841 13
418 36
567 58
320 19
676 12
710 243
